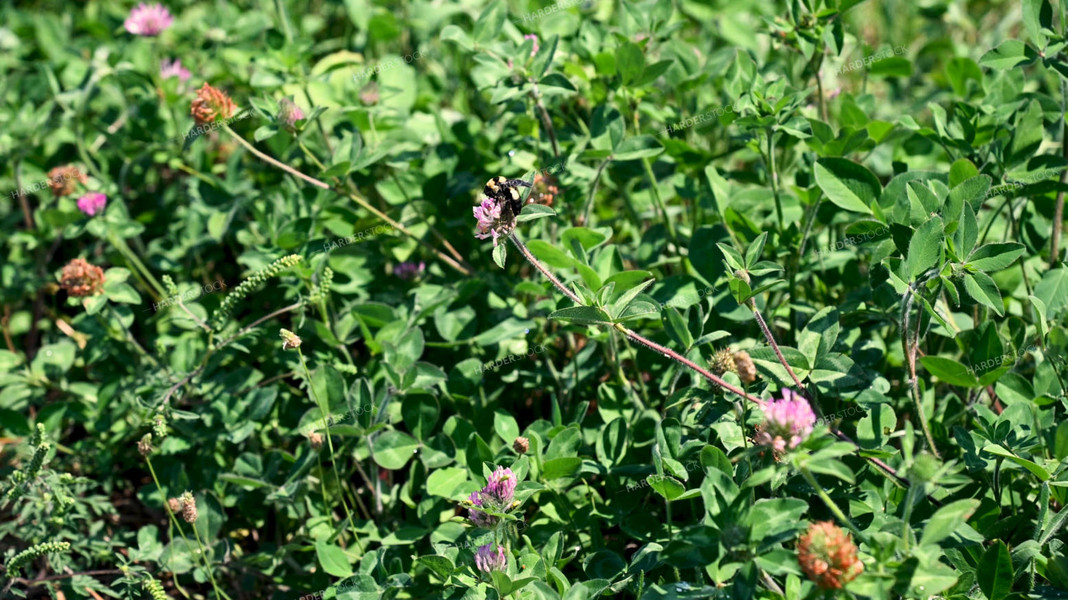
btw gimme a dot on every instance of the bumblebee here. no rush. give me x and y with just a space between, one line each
505 193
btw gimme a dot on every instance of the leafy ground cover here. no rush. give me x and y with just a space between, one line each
657 300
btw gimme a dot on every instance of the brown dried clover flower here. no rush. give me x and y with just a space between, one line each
521 445
62 180
211 104
144 445
544 190
744 367
828 556
189 508
290 340
80 278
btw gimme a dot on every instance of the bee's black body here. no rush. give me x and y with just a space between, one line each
504 191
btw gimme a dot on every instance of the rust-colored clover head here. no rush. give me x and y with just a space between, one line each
80 278
545 190
828 556
63 180
211 104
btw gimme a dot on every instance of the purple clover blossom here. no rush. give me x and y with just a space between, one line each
488 560
479 518
148 20
409 270
489 216
289 113
787 422
501 487
168 69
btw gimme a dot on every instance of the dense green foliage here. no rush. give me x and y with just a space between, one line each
283 365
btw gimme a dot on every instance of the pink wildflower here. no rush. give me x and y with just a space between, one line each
479 518
489 216
289 113
92 203
531 36
487 560
501 487
169 68
787 422
148 20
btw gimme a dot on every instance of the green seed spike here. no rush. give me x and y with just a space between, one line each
246 287
32 553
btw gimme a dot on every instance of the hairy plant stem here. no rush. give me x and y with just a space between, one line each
212 349
660 203
775 346
911 347
773 176
535 93
905 528
174 521
885 468
830 503
139 268
593 190
330 445
211 574
462 268
540 267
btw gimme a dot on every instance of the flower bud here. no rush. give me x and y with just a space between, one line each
189 508
723 361
290 340
144 446
289 113
521 445
488 560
